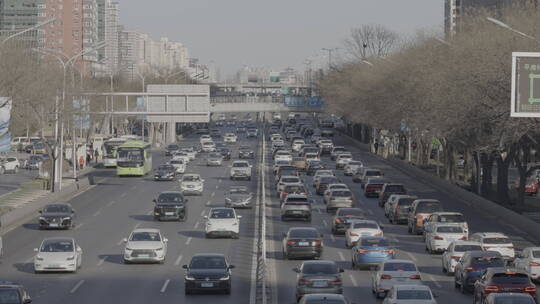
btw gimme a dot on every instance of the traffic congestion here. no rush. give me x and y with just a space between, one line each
342 227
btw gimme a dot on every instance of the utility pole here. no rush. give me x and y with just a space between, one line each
330 56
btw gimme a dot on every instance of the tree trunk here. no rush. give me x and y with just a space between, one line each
503 164
487 174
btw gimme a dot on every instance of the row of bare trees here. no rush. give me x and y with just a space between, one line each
455 91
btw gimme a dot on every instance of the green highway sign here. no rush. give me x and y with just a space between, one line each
525 85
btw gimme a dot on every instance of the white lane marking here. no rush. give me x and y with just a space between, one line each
353 280
189 240
97 213
29 260
370 212
123 194
133 187
217 186
411 256
325 223
220 181
101 261
213 194
111 203
341 256
149 212
137 226
177 262
196 225
165 286
332 237
202 212
395 239
431 278
319 210
74 289
78 226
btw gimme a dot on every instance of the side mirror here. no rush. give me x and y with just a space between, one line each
186 200
238 216
184 266
296 269
154 200
36 250
232 266
435 295
79 249
40 211
72 211
27 300
205 217
341 270
124 240
165 240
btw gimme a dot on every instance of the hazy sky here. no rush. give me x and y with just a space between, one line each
275 33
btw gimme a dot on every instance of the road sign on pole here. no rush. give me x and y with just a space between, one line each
525 85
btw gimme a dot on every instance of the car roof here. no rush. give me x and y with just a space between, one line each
59 238
146 230
439 224
302 228
447 213
171 192
411 287
192 174
58 204
398 261
465 243
323 296
481 253
363 221
324 262
5 284
491 234
221 208
209 255
493 270
293 195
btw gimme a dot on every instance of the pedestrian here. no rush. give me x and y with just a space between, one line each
96 155
88 157
81 162
376 146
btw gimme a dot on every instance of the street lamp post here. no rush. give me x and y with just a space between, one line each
330 55
35 27
508 27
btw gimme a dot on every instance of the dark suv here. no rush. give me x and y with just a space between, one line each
56 216
13 293
170 206
503 280
472 266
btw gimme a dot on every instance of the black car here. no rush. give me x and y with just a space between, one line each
208 272
215 134
170 206
252 133
313 166
226 153
165 172
13 293
170 149
56 216
246 152
302 242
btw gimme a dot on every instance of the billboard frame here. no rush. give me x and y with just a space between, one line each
514 89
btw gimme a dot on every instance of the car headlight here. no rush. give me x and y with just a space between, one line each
225 278
39 258
227 199
70 258
189 278
159 249
41 218
128 249
67 218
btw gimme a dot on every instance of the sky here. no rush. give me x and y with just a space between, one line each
275 33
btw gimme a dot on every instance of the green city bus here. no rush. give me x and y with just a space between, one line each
134 159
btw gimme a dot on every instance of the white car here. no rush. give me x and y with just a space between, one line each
58 254
529 261
446 218
351 167
439 236
454 253
178 164
145 245
240 169
319 173
334 187
181 155
392 273
229 138
407 294
360 228
222 222
192 184
287 180
208 146
190 152
283 155
343 159
275 136
297 144
9 164
205 138
312 156
495 241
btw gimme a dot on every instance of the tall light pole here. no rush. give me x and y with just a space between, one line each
508 27
35 27
144 90
330 55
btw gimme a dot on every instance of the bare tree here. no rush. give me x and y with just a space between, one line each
370 40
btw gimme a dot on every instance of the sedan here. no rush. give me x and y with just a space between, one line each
214 159
302 242
318 277
192 184
344 216
145 246
58 254
438 237
361 228
57 216
510 297
165 172
179 165
246 152
339 198
239 197
454 253
529 261
208 272
406 294
495 280
222 222
323 298
394 272
370 251
351 167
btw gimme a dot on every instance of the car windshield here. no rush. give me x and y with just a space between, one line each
405 201
463 248
354 163
497 240
328 179
191 178
399 267
341 156
320 268
450 229
172 147
367 225
9 296
222 214
290 180
208 143
166 168
339 149
240 165
132 154
239 190
295 189
214 155
208 263
177 162
510 278
394 188
170 197
413 295
57 209
428 207
368 242
536 254
510 299
451 218
303 233
350 212
373 173
376 181
487 261
57 246
341 193
145 236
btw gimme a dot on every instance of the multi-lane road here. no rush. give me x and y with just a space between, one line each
108 212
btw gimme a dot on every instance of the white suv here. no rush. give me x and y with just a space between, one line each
192 184
9 164
240 169
229 138
222 222
495 241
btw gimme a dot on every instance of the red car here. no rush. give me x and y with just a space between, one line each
503 280
531 188
374 186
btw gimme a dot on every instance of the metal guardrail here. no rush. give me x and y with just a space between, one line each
261 272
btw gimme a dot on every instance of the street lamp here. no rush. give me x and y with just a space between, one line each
508 27
330 55
27 30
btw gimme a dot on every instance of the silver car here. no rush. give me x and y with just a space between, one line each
214 159
394 272
339 198
58 254
406 294
145 245
192 184
318 277
239 197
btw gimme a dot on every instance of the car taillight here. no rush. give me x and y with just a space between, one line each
510 247
415 277
362 251
456 258
378 234
469 268
303 282
337 281
316 243
530 289
390 251
534 264
353 234
339 220
291 242
332 198
463 238
438 238
386 277
491 288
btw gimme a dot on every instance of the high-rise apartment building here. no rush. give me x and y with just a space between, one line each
64 35
90 29
108 32
17 15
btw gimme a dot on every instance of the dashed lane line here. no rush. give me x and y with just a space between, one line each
202 212
432 279
370 212
123 194
325 223
178 260
341 256
97 213
74 289
164 288
332 237
411 256
101 261
189 240
353 280
111 203
196 225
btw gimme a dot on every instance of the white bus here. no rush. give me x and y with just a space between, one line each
109 154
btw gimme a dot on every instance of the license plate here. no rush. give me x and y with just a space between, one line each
401 279
303 243
207 284
169 213
320 284
54 266
377 191
297 212
53 225
143 256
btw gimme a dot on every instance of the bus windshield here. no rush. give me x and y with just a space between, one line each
130 154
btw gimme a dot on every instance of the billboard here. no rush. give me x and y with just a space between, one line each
303 101
5 117
525 100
